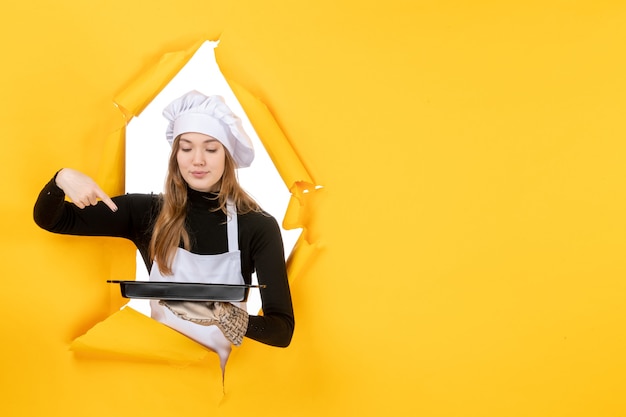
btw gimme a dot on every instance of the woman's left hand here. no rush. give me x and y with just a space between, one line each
232 321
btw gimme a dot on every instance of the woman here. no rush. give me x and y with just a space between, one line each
203 228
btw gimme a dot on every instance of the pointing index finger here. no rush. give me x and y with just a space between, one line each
106 200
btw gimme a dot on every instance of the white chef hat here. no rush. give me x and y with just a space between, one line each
196 112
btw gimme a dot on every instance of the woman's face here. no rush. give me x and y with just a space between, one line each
200 160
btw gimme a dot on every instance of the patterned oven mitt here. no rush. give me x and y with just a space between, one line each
231 320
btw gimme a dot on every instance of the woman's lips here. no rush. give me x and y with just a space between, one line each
198 174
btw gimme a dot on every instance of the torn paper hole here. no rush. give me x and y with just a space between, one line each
149 94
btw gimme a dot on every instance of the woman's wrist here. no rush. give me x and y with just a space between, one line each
56 178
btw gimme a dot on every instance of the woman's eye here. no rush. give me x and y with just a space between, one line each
185 149
211 150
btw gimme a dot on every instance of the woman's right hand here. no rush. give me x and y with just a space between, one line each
81 189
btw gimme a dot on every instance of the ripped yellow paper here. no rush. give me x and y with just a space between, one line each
128 335
134 98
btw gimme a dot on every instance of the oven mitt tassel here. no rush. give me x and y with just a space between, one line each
231 320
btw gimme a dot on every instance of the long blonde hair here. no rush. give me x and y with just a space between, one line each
169 228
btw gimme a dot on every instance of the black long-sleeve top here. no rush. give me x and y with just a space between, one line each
260 244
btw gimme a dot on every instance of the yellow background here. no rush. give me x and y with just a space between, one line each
469 238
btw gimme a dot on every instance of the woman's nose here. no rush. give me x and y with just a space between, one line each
198 158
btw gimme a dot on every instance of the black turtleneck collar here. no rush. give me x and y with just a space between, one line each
200 199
